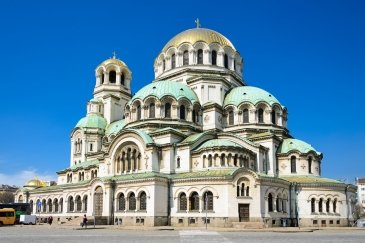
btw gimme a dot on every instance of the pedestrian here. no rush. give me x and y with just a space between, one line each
50 220
84 221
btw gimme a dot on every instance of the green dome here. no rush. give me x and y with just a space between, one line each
160 89
291 144
114 127
92 121
249 94
217 143
97 101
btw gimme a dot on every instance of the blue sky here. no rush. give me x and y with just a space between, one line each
309 54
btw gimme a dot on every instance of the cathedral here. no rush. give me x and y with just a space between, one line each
198 145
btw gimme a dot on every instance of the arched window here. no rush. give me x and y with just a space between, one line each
49 204
226 61
261 115
38 206
277 204
320 205
335 205
102 78
178 162
242 194
194 201
270 203
193 116
210 161
214 58
71 204
167 110
78 204
310 165
122 79
31 206
112 77
208 201
230 118
183 202
132 202
84 201
138 112
61 205
245 116
245 162
173 61
313 205
182 112
328 205
186 58
143 201
293 164
121 199
273 117
163 65
200 56
152 110
44 205
247 191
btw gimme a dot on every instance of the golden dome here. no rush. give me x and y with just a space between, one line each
198 34
113 60
35 183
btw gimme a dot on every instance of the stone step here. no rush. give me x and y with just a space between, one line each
248 225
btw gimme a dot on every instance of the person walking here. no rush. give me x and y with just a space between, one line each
84 221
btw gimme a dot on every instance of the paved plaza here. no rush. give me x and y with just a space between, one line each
46 233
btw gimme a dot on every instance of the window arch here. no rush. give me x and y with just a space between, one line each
173 61
44 205
230 118
293 164
185 58
313 205
214 57
208 200
121 199
178 162
320 205
112 77
38 206
167 110
335 205
210 161
122 79
310 165
270 202
163 65
78 204
194 201
277 204
102 78
200 56
242 194
182 112
261 115
245 116
139 112
328 202
143 201
84 202
152 110
132 201
182 202
273 117
226 61
71 204
31 206
49 205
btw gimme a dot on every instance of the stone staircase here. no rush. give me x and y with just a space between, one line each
248 225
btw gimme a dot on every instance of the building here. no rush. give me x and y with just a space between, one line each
360 182
196 141
7 193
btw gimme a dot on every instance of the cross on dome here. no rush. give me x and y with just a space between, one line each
114 55
197 21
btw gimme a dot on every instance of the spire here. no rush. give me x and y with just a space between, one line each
197 21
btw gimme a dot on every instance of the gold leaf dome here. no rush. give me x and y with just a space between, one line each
35 183
198 34
113 60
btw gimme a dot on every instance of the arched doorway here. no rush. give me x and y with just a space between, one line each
98 201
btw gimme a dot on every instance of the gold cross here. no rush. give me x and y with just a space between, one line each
197 21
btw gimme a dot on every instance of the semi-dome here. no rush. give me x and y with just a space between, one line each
198 34
114 127
161 89
92 121
290 145
249 94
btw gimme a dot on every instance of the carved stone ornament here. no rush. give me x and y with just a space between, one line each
206 118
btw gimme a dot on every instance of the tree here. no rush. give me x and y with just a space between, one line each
6 197
358 211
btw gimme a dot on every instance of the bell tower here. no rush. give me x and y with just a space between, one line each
113 87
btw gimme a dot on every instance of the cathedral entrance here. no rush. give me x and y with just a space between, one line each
98 201
244 212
